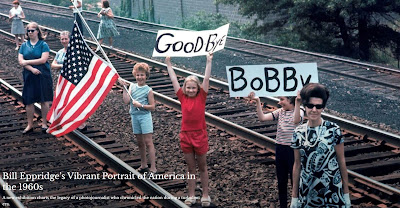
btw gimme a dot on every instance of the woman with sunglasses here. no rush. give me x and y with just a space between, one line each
319 173
17 27
38 84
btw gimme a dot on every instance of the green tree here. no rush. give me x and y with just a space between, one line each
204 21
126 8
346 27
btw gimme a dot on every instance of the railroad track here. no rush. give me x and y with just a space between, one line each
370 73
365 147
71 157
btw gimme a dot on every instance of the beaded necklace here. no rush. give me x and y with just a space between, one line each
307 142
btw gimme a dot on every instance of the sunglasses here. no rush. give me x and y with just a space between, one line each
31 31
311 106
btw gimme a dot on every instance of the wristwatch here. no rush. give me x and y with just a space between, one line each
142 106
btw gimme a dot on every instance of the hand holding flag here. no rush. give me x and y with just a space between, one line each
84 82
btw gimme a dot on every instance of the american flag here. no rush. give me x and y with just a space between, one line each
84 82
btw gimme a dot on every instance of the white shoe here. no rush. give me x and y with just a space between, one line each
190 200
17 48
111 47
205 202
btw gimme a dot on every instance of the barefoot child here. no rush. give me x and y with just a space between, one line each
193 136
140 110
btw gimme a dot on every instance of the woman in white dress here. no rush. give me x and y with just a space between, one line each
17 27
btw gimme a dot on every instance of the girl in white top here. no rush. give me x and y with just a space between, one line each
17 27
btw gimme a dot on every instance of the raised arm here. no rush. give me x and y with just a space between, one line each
110 14
78 5
207 73
297 112
172 74
100 13
260 113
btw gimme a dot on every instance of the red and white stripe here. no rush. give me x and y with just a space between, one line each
73 105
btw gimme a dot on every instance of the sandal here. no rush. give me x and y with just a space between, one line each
142 170
25 131
190 200
205 202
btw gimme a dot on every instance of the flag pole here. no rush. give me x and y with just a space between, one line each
98 45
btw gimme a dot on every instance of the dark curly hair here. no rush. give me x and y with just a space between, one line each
314 90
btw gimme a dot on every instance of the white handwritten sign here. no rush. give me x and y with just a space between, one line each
177 43
270 80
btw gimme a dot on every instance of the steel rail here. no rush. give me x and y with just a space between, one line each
10 196
233 128
325 69
147 186
351 125
367 65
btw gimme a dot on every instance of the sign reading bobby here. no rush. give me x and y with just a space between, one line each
176 43
270 80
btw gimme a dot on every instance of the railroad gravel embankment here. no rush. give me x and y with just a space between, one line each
235 180
351 99
239 174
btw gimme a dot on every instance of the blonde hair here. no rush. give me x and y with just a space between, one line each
194 79
41 36
143 67
64 33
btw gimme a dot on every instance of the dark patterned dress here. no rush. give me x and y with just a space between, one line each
320 182
37 88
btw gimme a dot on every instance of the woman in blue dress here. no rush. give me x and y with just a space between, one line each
38 84
320 176
107 28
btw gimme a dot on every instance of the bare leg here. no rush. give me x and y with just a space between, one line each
16 41
148 140
29 113
111 41
45 109
142 150
191 162
22 39
202 163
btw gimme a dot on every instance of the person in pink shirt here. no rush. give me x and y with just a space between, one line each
193 136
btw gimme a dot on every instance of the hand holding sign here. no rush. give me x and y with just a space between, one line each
177 43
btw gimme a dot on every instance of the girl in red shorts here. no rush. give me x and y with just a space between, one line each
193 136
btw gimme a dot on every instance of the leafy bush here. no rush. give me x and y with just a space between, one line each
204 21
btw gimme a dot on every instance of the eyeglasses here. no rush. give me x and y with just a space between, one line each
311 106
31 31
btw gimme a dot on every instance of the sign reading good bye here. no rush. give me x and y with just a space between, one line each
270 80
176 43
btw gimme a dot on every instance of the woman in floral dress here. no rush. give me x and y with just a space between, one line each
319 173
107 28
